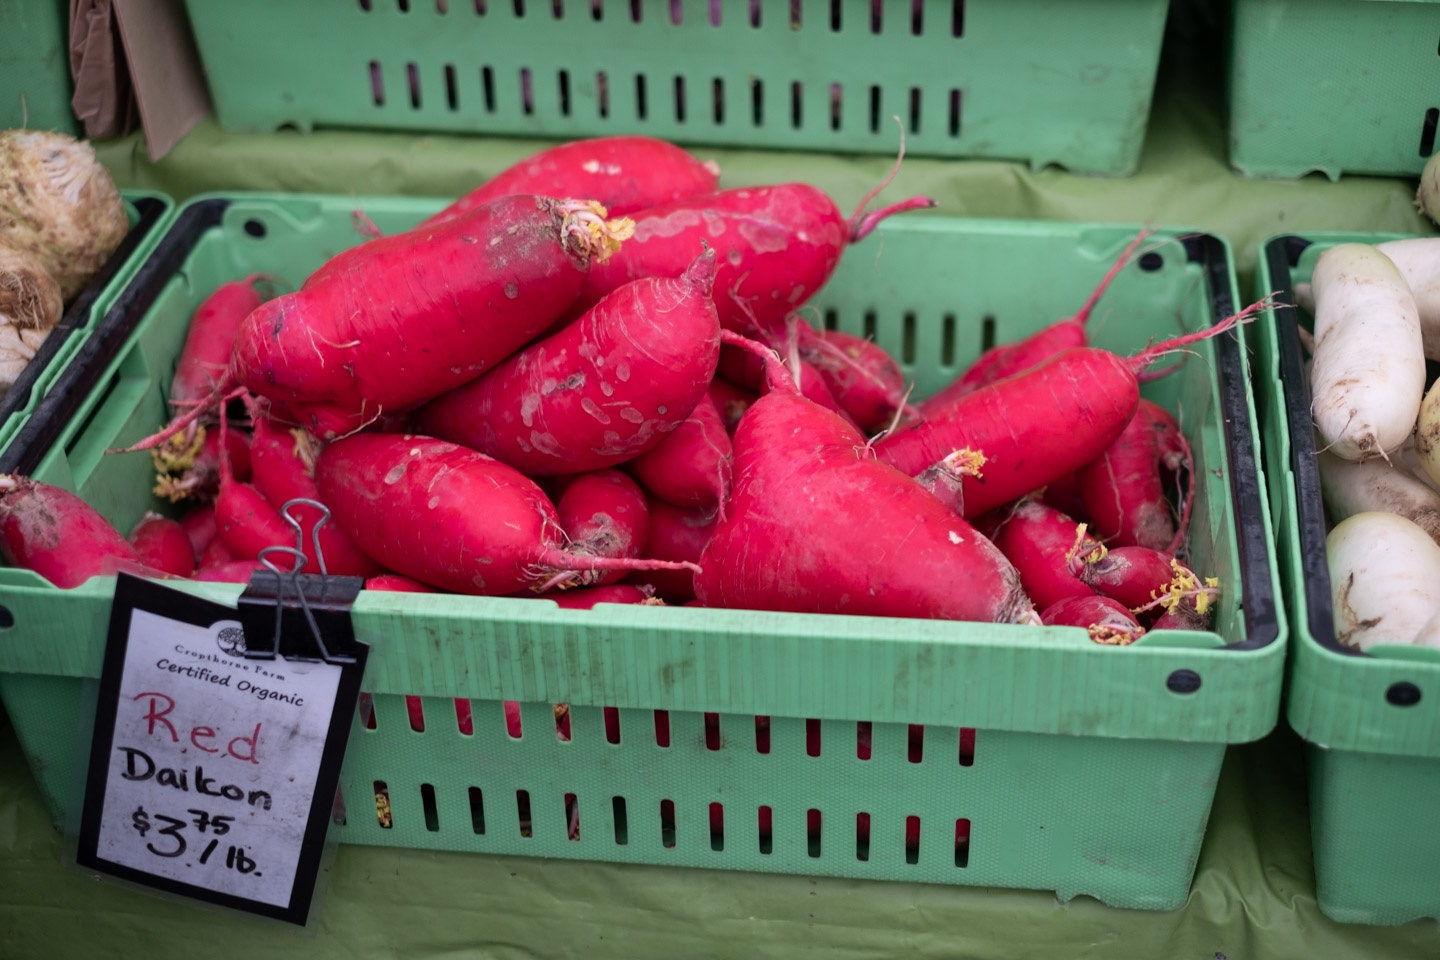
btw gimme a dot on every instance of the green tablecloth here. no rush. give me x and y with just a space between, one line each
1253 895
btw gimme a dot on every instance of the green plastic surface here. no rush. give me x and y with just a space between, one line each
102 302
35 84
1035 80
1064 727
1333 85
1374 766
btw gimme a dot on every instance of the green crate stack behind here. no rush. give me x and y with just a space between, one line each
1373 750
35 84
96 300
1336 86
1085 769
1046 81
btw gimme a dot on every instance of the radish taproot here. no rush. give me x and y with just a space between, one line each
777 246
1123 492
1006 360
816 525
283 469
199 525
56 534
396 583
604 515
210 341
1036 539
626 174
392 323
1384 579
691 466
1037 426
450 517
1375 486
163 545
190 470
864 379
1106 620
731 402
599 392
676 534
1368 376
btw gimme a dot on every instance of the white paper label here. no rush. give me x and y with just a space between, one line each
214 759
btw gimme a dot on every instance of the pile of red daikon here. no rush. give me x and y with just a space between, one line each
534 396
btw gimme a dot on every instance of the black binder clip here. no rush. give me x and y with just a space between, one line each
297 615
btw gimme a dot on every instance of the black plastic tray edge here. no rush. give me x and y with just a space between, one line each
1262 623
150 210
1282 254
69 391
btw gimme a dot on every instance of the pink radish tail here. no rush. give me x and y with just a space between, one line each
1152 353
223 393
1120 264
700 275
861 227
559 567
860 222
776 375
364 226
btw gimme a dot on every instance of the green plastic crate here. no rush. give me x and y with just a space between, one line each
1372 723
1334 86
1085 769
35 83
148 213
1048 81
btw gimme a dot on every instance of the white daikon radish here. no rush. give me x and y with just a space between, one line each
1409 461
1429 635
1427 433
1384 579
1419 263
1376 486
1369 369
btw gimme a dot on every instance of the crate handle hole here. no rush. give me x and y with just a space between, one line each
1183 681
717 827
7 619
863 739
522 811
572 817
622 826
477 810
382 805
1151 262
255 228
1402 694
667 824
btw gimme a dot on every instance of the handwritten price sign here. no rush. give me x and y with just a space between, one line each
209 769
